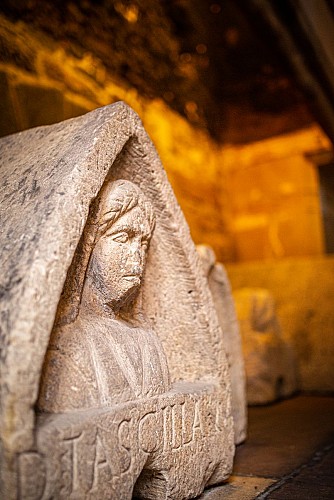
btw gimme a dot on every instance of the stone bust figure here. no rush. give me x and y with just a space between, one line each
98 354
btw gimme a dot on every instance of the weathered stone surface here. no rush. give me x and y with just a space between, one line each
269 361
158 444
220 289
165 437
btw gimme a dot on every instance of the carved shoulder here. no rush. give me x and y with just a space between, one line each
67 381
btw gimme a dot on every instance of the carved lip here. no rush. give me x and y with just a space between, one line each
132 277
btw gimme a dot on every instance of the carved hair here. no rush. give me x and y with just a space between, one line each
114 200
121 197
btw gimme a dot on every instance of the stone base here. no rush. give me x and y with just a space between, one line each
170 446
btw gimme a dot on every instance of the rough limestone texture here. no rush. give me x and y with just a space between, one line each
114 379
220 289
269 360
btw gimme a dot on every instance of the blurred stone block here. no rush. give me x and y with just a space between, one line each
269 361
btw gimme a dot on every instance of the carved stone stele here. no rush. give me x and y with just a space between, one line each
220 289
114 380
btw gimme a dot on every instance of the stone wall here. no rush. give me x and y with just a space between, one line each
303 289
273 190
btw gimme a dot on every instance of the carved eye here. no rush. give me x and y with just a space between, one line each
121 237
144 244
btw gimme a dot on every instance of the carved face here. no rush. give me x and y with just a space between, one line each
118 259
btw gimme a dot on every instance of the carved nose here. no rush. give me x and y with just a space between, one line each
136 260
137 269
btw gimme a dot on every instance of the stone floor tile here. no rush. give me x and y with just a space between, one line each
313 480
285 435
238 488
